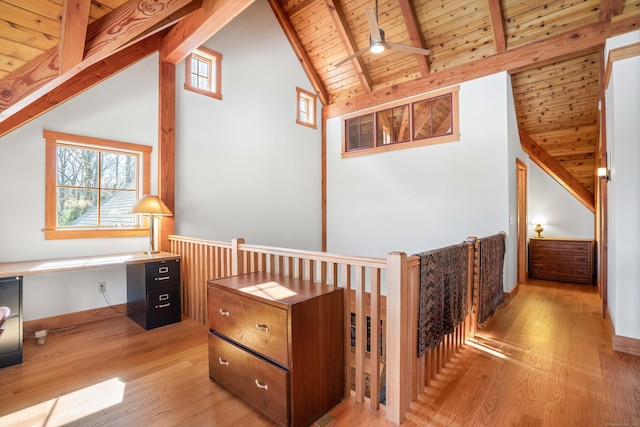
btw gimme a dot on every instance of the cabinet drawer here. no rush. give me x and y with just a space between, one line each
555 245
256 380
257 325
162 275
164 303
572 258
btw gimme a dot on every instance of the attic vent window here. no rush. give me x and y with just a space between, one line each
421 121
91 186
306 108
203 72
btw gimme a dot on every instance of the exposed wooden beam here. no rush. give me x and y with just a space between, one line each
300 52
497 25
104 37
167 148
73 33
349 43
570 44
415 35
610 8
555 170
127 22
82 81
190 33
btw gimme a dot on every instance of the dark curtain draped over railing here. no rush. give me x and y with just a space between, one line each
490 286
443 294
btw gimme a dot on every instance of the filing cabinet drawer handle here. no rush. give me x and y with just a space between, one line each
262 328
264 387
162 270
163 278
223 312
223 362
163 297
163 305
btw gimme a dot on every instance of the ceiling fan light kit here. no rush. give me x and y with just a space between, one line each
377 42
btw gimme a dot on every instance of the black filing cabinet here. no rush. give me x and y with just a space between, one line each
11 337
153 293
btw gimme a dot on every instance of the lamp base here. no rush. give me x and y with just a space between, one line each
539 230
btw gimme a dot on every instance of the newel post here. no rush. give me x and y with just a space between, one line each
397 339
236 257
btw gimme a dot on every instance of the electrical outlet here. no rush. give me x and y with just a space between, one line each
41 336
102 287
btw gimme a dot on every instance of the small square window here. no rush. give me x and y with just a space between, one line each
306 107
202 72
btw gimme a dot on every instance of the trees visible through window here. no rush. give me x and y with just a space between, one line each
422 121
203 72
92 184
306 108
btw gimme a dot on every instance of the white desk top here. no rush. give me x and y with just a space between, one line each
23 268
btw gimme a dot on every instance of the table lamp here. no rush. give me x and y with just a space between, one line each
152 206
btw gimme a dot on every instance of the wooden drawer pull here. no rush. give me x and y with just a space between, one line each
581 259
223 362
262 328
223 312
264 387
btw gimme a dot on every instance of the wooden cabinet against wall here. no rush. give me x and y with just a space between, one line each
278 343
564 260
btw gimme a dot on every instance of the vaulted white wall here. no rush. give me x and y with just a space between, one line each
564 215
244 168
122 108
424 198
623 137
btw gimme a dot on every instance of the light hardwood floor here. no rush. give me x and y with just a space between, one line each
546 360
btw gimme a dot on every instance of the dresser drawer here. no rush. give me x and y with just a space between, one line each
257 325
259 382
162 275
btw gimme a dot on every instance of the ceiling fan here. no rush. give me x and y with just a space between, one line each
377 43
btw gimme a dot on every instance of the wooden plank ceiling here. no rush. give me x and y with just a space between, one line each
552 49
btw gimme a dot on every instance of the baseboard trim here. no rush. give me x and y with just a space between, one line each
626 345
509 296
620 343
77 318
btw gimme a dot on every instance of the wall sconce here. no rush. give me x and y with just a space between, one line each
538 227
604 172
153 206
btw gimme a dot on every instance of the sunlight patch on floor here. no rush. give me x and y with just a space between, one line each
69 407
486 348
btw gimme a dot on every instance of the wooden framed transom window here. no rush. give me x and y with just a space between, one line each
424 120
91 186
203 72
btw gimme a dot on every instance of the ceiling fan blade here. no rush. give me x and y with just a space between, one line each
407 48
350 57
372 20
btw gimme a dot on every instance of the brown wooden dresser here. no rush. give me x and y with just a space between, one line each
563 260
278 343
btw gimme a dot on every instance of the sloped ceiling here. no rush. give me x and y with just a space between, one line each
552 49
